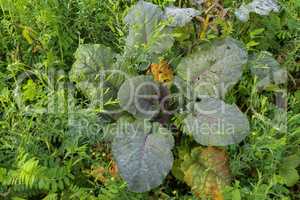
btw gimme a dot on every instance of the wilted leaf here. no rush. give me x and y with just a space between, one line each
214 67
261 7
140 96
99 174
214 123
161 72
143 154
206 171
267 69
113 170
180 16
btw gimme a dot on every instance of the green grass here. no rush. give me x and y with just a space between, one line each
39 158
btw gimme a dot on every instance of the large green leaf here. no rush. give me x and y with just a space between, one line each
261 7
213 68
140 96
180 16
91 61
267 69
214 123
150 31
146 30
143 154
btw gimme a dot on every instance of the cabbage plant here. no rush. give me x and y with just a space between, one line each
143 137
